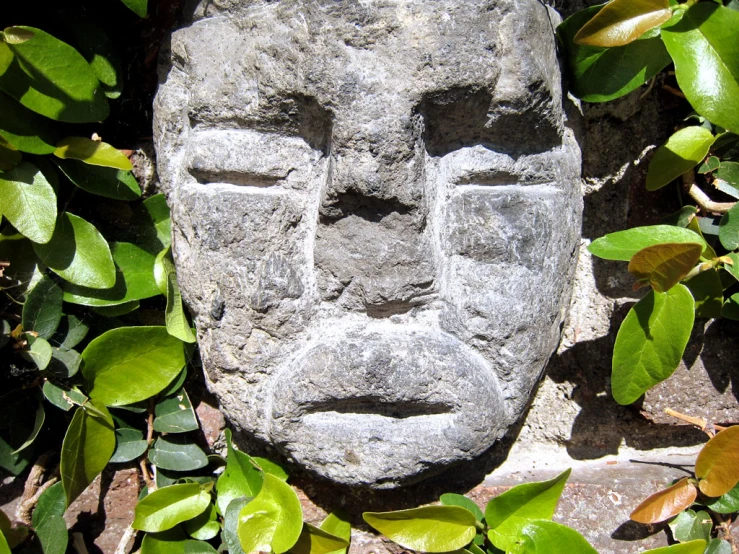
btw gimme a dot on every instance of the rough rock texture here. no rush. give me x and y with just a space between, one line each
376 212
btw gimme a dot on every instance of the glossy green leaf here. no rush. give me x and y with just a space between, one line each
177 324
205 526
152 225
177 454
103 181
6 57
705 51
241 478
17 35
24 129
175 414
692 547
78 253
622 245
42 311
92 152
451 499
87 447
601 74
273 520
508 513
727 503
230 525
651 342
690 526
707 291
51 78
52 502
37 424
683 151
717 465
314 540
38 351
175 385
174 542
163 268
666 503
136 6
130 444
547 537
664 265
28 201
134 280
623 21
337 523
273 468
164 508
430 528
53 535
729 229
130 364
56 395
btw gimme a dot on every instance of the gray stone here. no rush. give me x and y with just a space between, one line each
376 214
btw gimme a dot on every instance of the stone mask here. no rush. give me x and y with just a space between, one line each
376 212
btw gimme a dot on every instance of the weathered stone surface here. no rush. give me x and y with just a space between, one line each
376 213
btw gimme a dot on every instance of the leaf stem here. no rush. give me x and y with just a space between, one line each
706 426
700 197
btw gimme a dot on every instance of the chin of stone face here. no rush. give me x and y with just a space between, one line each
376 212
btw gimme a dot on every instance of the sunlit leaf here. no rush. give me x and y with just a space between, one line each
623 21
129 364
337 523
6 57
51 78
164 508
727 503
430 528
666 503
547 537
103 181
622 245
273 520
136 6
704 49
451 499
692 547
52 502
664 265
240 478
273 468
92 152
38 351
508 513
651 342
690 526
683 150
42 311
177 454
87 447
28 201
78 253
205 526
313 540
717 465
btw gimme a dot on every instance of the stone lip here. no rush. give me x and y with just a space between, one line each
382 407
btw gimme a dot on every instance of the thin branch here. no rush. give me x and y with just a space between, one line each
128 534
706 426
148 479
701 198
32 486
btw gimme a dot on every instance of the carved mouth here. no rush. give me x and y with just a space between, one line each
381 408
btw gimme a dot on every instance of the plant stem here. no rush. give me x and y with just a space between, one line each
33 489
706 426
128 534
701 198
148 479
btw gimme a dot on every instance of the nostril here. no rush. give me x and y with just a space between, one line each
368 208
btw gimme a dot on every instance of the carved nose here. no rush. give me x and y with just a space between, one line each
372 253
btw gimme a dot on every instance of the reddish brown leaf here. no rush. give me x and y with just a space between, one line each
717 465
664 265
664 504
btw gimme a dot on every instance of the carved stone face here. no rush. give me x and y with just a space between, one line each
375 211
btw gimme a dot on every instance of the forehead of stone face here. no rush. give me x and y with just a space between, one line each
479 72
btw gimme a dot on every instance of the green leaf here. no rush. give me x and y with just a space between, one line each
313 540
177 384
17 35
28 201
13 463
651 342
205 526
547 537
174 414
51 78
730 309
683 151
451 499
130 364
52 535
52 502
177 324
268 466
704 48
240 478
56 395
666 503
73 331
39 352
508 513
136 6
430 528
6 57
708 293
78 253
622 245
64 362
623 21
727 503
177 453
130 444
728 232
717 465
601 74
117 310
92 152
718 546
37 424
152 224
711 164
230 525
164 508
9 155
87 447
692 547
134 280
664 265
4 548
24 129
160 543
273 520
42 311
690 526
337 523
103 181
